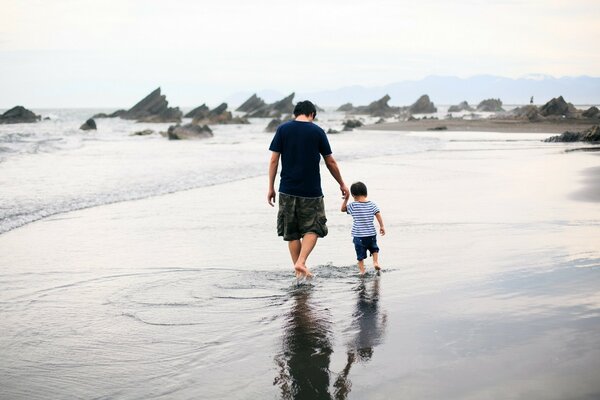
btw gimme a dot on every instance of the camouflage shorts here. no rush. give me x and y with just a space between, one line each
300 215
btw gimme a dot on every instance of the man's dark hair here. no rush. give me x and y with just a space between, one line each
305 108
358 189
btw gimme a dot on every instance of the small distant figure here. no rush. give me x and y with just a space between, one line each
531 100
363 229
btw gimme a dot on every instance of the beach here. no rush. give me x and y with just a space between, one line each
489 289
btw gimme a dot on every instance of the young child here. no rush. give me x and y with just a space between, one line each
363 229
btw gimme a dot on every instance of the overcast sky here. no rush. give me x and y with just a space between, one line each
112 52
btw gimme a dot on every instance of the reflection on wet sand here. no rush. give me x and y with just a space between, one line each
370 325
304 361
307 344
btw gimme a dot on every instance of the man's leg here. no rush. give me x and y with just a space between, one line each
308 244
294 246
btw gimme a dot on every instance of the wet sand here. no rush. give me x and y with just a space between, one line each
489 290
485 125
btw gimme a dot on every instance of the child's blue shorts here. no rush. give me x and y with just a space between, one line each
362 244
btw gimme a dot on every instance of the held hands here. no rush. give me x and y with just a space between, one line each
345 192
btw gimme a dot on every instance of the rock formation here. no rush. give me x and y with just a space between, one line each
332 131
153 108
558 107
197 112
351 124
347 107
189 131
90 124
529 112
591 112
115 114
422 106
272 127
274 110
462 106
589 135
252 104
19 115
145 132
490 105
218 115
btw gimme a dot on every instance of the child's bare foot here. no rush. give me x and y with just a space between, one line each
302 272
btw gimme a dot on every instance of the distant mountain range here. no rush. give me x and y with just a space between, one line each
452 90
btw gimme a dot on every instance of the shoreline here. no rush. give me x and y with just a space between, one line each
483 125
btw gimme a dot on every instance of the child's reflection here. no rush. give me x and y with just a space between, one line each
370 325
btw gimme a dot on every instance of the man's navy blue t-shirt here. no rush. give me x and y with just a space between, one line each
301 145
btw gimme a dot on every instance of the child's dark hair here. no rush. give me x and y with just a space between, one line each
305 108
358 189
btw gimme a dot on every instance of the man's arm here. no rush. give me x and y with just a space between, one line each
335 172
273 165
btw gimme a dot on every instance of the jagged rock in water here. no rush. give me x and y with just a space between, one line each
490 105
528 112
462 106
438 128
218 115
380 121
591 112
115 114
189 131
253 103
378 108
273 125
90 124
198 112
274 110
348 107
351 124
19 115
422 106
558 107
332 131
589 135
153 108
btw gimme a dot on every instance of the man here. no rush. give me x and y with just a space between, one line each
301 218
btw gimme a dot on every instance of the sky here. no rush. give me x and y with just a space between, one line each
109 53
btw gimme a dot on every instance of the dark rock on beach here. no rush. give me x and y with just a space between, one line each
332 131
19 115
274 110
589 135
189 131
591 112
378 108
197 112
145 132
253 103
153 108
90 124
348 107
558 107
438 128
423 105
529 112
218 115
273 125
115 114
490 105
462 106
351 124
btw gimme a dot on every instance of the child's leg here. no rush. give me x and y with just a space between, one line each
376 261
361 266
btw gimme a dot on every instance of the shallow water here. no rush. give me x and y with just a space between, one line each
490 286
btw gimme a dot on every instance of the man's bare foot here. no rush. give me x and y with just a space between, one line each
377 267
361 268
302 272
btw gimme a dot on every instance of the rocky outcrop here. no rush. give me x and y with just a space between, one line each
197 112
529 112
273 125
462 106
274 110
153 108
19 115
351 124
422 106
145 132
558 107
90 124
378 108
347 107
490 105
252 104
591 112
115 114
438 128
589 135
218 115
189 131
332 131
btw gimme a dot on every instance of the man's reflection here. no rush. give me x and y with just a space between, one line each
304 361
370 328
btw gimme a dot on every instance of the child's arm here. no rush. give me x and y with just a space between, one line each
345 204
380 222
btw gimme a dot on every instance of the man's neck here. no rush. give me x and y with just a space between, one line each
303 118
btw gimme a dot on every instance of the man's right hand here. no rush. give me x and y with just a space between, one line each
345 192
271 197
